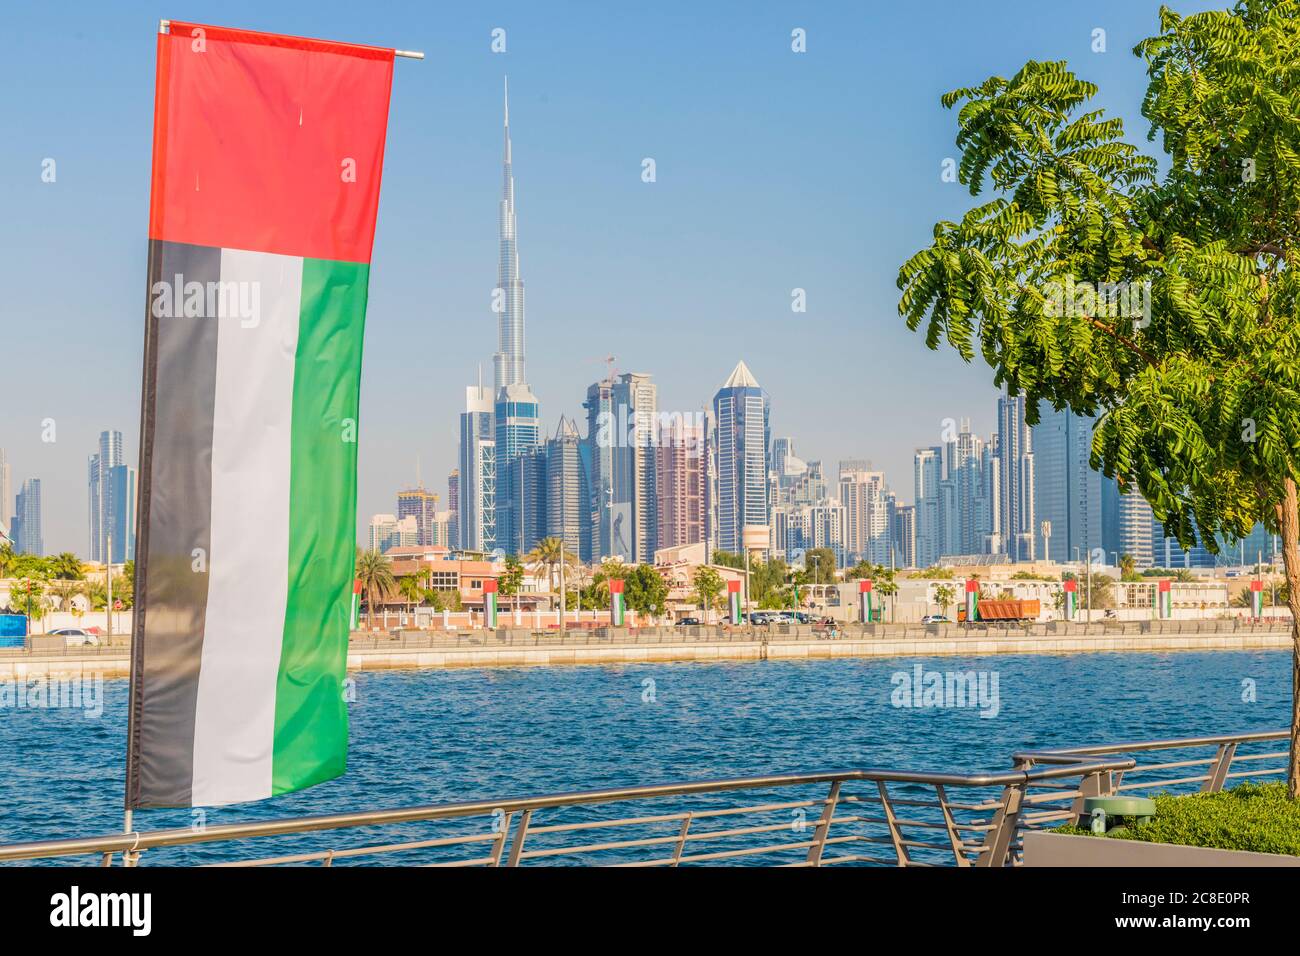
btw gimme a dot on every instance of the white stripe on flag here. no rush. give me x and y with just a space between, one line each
252 431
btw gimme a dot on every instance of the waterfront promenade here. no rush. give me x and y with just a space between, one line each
511 647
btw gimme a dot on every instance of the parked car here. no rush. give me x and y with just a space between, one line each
935 619
689 622
75 637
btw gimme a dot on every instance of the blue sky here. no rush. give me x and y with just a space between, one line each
775 170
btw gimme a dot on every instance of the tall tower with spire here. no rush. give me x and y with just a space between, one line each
516 411
508 300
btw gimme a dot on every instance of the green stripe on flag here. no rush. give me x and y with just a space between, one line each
311 720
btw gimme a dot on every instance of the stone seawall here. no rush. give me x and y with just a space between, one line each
523 648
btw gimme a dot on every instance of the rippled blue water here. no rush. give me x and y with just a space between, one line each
435 736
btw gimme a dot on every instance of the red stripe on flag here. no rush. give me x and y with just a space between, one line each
257 137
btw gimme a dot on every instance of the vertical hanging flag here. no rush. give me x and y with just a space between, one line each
615 602
972 600
354 621
1257 599
267 156
1164 600
864 602
733 601
490 604
1071 598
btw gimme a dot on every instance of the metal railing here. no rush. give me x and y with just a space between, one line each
863 817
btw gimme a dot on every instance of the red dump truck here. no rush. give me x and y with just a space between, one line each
992 610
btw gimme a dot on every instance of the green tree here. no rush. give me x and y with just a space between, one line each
821 561
66 567
1128 568
708 586
512 578
943 596
646 591
1166 304
375 572
7 556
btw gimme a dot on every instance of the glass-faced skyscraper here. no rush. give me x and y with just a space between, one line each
742 432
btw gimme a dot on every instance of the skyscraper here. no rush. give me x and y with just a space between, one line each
517 413
111 496
866 513
1067 492
1137 526
26 529
478 472
633 435
6 489
568 499
1016 464
680 483
600 454
742 433
508 363
423 506
927 475
453 507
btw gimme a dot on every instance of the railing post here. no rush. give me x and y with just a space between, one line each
1219 769
824 825
517 848
997 841
954 836
681 839
895 834
1099 784
499 843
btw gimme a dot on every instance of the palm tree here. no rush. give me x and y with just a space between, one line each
66 567
65 590
547 554
375 572
411 588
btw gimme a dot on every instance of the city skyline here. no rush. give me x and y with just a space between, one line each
680 277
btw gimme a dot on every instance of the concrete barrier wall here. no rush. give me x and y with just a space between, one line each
520 647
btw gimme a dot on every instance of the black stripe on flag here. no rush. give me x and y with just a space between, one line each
174 538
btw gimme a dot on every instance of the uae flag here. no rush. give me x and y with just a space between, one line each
267 154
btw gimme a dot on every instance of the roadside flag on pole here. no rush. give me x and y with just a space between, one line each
490 604
972 600
1071 598
616 605
733 601
355 620
864 602
1257 599
1164 600
267 157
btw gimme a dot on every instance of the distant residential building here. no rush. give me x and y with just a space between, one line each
26 526
388 531
1136 526
1067 492
866 512
680 474
741 412
6 491
476 520
453 507
422 505
1016 455
904 534
927 475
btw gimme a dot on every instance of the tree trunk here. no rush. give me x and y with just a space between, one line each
1289 527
